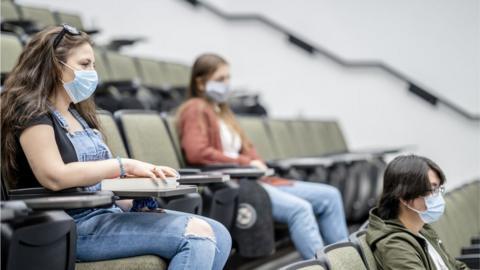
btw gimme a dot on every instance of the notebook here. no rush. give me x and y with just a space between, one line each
118 184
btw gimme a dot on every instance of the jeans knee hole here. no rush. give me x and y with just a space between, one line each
199 228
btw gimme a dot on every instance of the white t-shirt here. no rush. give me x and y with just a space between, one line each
231 141
436 258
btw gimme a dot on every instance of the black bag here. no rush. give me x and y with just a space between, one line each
253 230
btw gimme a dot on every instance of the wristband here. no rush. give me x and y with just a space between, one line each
123 174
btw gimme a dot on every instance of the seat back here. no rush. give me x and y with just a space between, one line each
42 17
335 138
124 73
111 134
344 256
257 133
449 235
122 67
69 18
9 12
11 48
474 199
284 142
171 123
469 216
471 200
319 133
307 140
101 66
458 221
152 73
146 137
359 239
178 74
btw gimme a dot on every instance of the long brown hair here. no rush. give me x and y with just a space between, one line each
35 78
203 68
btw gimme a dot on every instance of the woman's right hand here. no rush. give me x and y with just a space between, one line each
143 169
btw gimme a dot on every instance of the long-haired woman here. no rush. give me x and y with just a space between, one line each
210 134
50 138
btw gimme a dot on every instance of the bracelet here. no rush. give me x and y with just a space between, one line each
123 174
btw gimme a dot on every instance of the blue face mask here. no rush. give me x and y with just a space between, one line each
435 207
217 91
82 86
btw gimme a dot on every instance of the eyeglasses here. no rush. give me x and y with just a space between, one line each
438 190
67 29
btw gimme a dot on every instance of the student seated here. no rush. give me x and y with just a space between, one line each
398 232
210 134
50 138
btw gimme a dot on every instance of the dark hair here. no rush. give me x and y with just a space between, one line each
406 177
35 78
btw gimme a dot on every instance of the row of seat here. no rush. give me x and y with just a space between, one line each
42 17
37 233
125 82
359 180
152 137
354 254
142 125
120 67
139 82
458 227
133 82
461 219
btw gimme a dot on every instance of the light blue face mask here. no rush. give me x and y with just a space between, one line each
217 91
82 86
435 207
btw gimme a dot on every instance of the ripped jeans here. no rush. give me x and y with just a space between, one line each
104 234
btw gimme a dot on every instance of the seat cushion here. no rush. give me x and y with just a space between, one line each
147 262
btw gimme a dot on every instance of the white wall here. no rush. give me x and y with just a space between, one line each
435 42
374 108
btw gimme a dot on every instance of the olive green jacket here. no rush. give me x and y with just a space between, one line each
395 247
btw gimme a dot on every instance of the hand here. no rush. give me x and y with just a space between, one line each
166 171
143 169
259 164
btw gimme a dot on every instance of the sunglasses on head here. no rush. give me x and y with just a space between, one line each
67 29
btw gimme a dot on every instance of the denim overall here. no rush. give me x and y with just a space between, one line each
109 233
88 143
89 146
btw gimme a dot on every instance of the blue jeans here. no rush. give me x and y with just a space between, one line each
104 234
314 214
